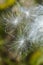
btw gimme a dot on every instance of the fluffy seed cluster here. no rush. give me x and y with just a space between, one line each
25 30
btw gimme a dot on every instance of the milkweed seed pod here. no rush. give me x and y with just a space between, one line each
25 32
24 35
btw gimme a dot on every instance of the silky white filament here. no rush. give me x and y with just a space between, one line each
36 28
25 11
16 21
28 29
21 43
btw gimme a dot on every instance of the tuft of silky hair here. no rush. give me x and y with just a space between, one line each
24 31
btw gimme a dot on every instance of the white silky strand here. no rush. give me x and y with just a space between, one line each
28 29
